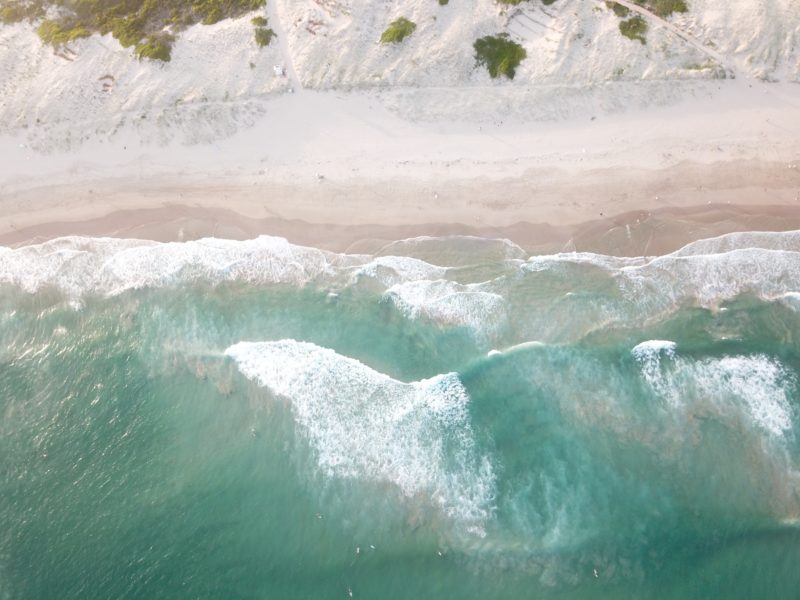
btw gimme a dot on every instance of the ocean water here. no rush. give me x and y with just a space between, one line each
449 418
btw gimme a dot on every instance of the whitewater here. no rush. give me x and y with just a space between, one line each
446 417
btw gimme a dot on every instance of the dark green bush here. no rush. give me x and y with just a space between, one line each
128 32
56 34
620 10
398 30
499 55
634 28
263 36
664 8
155 48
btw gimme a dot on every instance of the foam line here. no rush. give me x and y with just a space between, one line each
755 387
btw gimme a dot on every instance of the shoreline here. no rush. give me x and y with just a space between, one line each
635 232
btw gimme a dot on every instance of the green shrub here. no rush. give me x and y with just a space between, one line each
499 55
398 30
263 36
155 48
15 11
620 10
54 34
214 15
259 21
443 2
664 8
128 32
634 28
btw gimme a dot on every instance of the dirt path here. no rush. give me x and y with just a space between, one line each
276 24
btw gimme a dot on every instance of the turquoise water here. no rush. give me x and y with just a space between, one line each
447 418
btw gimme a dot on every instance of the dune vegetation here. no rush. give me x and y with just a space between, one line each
500 55
635 27
398 30
147 25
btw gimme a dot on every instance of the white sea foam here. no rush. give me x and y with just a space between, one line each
550 261
757 382
649 354
653 347
711 271
110 266
519 347
391 270
711 279
756 386
450 303
743 240
456 250
707 273
792 300
363 424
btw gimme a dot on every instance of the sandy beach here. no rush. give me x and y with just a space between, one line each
341 171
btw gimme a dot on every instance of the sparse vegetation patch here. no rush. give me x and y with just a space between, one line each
147 25
155 48
264 36
634 28
620 10
57 34
664 8
500 55
398 30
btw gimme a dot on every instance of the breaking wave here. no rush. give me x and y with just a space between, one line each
363 424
